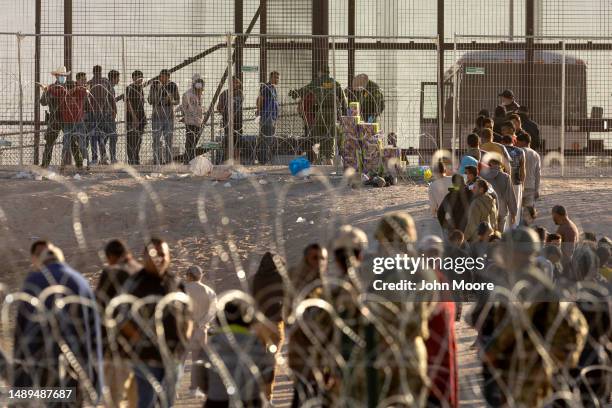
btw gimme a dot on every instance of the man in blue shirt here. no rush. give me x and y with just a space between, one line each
63 325
267 110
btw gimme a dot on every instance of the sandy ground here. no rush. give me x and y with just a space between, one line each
225 229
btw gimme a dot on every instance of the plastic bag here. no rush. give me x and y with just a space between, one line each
201 166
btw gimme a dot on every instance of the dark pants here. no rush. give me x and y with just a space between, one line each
192 137
51 135
266 139
134 140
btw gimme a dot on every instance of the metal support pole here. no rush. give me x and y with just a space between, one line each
19 38
336 145
511 19
351 42
455 88
36 82
440 94
230 103
263 51
125 79
68 35
440 72
320 28
529 54
562 108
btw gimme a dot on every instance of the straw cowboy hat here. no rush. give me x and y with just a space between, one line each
60 71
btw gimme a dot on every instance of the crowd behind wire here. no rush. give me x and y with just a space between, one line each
546 339
85 111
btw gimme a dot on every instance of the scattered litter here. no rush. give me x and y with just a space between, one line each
228 184
77 177
311 222
333 173
238 175
300 219
365 178
38 177
23 175
215 182
304 173
262 181
200 166
296 166
240 197
221 173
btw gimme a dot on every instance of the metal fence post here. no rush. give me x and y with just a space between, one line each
19 38
125 79
440 92
230 103
336 160
455 87
562 108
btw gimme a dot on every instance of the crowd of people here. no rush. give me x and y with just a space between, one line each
85 112
128 338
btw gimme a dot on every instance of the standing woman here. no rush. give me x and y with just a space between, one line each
191 107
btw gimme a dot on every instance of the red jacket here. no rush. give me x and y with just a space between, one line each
71 102
442 354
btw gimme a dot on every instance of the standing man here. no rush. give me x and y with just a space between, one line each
482 209
329 102
113 77
508 101
101 111
488 145
163 96
530 127
223 109
568 232
53 118
51 340
370 97
517 164
268 111
136 119
532 171
506 200
154 281
193 116
438 188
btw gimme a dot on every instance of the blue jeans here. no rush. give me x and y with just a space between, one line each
102 127
76 130
147 397
162 127
264 148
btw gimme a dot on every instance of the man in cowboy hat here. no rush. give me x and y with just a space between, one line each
53 118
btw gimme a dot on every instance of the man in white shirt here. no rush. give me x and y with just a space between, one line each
204 301
533 170
438 189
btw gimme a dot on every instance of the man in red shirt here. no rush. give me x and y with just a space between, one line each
71 99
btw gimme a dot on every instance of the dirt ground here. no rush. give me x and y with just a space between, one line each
226 228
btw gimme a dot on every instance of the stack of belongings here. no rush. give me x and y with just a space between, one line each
363 143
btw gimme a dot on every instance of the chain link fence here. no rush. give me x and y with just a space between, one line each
394 78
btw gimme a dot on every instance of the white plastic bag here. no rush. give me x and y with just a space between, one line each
200 166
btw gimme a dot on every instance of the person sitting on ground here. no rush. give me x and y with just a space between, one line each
588 236
204 301
452 212
305 276
482 208
439 187
245 357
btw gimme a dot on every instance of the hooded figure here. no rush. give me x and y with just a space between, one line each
453 211
482 208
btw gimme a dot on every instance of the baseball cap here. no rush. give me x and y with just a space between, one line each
507 93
